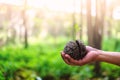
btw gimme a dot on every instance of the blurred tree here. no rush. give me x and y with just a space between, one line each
7 19
98 29
81 18
3 33
110 20
95 33
74 22
89 24
9 24
25 24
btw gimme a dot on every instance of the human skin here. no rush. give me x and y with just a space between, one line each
93 55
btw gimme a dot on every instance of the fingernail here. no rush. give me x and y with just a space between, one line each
66 56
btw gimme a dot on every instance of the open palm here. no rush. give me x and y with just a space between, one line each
90 57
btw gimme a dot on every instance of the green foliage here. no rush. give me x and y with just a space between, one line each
108 45
43 59
112 44
77 28
110 71
1 76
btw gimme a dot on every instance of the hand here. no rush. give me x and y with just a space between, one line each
90 57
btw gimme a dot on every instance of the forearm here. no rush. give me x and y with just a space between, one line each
109 57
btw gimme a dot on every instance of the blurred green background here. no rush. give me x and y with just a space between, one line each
34 32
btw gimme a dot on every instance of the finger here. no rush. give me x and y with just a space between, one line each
64 58
89 48
67 61
67 57
62 55
71 60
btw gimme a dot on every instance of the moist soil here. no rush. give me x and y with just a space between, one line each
76 49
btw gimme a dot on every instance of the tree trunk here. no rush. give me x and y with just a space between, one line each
81 19
97 37
8 28
95 32
74 22
89 24
25 25
110 22
98 30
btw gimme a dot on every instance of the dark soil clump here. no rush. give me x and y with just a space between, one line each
76 49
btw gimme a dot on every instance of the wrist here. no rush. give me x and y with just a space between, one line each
99 55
